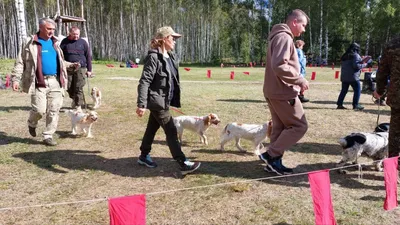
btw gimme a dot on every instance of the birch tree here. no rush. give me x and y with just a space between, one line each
21 27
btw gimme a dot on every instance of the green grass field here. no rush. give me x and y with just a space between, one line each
229 188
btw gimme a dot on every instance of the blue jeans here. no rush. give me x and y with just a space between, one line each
345 88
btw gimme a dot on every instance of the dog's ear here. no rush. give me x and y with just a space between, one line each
85 118
98 93
207 120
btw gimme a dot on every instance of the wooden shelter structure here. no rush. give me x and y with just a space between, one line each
67 20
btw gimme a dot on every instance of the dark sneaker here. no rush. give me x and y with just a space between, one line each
358 107
380 102
341 107
274 167
264 157
147 161
278 168
32 131
50 142
189 167
303 99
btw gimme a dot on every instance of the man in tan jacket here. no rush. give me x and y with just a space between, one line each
282 84
41 70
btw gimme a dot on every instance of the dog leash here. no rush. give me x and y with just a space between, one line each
379 107
177 110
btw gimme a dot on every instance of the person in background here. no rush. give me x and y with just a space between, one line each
282 84
302 60
41 70
389 65
158 89
352 64
77 50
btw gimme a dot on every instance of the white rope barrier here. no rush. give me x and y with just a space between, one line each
187 189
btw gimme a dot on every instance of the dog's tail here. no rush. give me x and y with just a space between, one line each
352 139
225 130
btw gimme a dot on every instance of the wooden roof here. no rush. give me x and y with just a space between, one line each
69 19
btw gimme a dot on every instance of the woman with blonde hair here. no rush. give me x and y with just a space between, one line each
158 89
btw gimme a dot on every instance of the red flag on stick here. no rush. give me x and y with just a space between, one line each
333 66
390 176
187 69
251 64
313 74
127 210
232 75
208 73
247 73
336 74
320 186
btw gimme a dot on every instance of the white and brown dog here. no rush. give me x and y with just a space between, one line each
372 145
196 124
81 121
253 132
96 97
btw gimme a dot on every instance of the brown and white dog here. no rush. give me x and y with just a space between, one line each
96 96
196 124
372 145
81 121
253 132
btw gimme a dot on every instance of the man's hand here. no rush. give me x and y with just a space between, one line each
140 111
15 86
89 74
304 86
376 95
75 66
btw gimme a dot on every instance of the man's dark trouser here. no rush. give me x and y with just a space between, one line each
76 82
394 133
164 119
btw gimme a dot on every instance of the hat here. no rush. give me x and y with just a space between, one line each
165 32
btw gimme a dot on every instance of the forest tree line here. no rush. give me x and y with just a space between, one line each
214 31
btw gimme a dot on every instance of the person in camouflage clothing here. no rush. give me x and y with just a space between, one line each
390 66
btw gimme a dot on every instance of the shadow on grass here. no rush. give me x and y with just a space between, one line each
61 161
14 108
241 100
5 140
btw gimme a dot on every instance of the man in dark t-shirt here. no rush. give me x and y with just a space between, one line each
76 49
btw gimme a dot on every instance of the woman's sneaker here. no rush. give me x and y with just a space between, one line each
341 107
146 161
189 167
358 108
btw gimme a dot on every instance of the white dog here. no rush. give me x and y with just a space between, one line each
96 96
195 124
253 132
373 145
82 121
